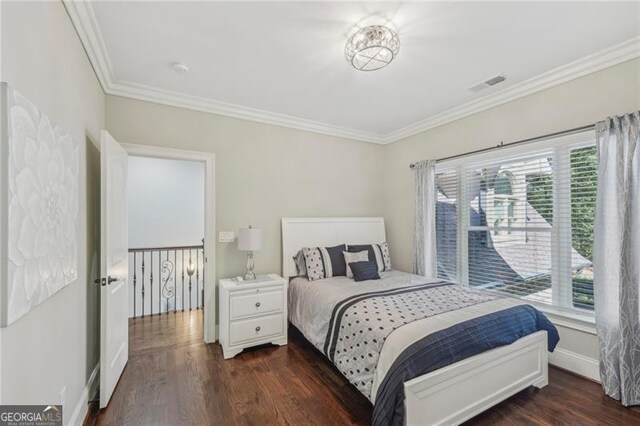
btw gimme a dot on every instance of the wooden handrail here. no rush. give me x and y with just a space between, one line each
134 250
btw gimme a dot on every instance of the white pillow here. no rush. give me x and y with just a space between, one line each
361 256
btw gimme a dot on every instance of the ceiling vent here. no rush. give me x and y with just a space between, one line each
488 83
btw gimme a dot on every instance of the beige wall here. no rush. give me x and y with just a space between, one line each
263 172
576 103
55 345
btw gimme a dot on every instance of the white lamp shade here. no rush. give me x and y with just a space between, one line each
249 239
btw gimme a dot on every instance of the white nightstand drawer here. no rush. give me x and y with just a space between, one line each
258 301
256 328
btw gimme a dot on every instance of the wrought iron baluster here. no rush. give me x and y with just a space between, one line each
159 281
204 261
160 286
151 269
168 288
190 275
197 279
182 281
134 285
143 284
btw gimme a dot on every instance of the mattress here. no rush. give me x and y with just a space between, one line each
366 328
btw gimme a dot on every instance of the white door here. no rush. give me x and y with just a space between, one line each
114 265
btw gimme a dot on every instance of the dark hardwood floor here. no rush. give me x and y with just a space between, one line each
172 378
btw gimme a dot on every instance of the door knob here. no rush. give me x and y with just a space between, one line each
104 281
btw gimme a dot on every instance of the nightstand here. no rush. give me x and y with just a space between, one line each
252 313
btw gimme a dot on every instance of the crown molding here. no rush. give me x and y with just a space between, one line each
166 97
598 61
84 20
86 25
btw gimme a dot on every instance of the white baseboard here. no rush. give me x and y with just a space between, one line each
80 412
576 363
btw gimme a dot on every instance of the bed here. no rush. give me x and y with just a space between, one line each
422 351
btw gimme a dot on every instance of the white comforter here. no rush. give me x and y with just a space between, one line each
311 305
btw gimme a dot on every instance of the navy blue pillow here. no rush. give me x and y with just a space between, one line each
363 271
336 257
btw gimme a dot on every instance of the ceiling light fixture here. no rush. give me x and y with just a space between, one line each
372 48
180 68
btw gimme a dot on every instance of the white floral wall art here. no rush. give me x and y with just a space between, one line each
41 207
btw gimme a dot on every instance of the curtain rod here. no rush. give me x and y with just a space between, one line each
504 145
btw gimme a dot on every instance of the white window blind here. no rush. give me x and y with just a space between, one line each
447 225
520 221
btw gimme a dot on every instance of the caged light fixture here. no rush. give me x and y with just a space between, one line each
371 48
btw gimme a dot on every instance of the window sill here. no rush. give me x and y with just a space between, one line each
573 320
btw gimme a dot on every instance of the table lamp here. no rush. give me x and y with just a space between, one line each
249 240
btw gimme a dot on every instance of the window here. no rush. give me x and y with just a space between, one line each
520 221
505 204
583 208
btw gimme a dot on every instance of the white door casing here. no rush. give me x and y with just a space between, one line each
208 158
114 265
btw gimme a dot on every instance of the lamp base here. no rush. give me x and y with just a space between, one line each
250 275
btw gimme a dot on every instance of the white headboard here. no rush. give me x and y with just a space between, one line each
325 232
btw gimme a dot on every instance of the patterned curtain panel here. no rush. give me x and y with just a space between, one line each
617 256
424 235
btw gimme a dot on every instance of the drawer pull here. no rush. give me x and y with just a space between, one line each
257 328
257 304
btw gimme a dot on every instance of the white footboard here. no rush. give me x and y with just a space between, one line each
459 391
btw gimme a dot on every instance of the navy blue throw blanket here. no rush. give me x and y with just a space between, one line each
451 345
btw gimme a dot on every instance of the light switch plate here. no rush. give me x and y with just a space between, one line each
226 237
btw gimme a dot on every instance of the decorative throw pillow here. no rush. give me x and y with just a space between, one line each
362 256
363 271
324 262
378 253
301 265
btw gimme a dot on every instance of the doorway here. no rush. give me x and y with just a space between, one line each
171 233
165 203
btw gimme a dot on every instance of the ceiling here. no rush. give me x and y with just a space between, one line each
283 63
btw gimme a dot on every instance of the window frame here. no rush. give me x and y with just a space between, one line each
561 233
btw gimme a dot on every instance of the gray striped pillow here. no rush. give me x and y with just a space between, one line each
325 262
378 253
